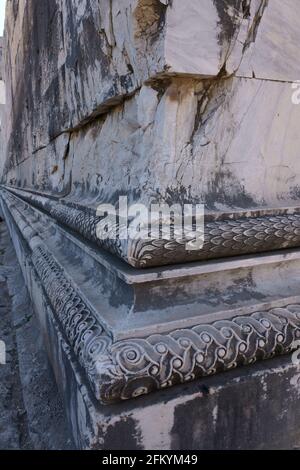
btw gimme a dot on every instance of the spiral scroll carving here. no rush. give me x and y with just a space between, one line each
126 369
120 370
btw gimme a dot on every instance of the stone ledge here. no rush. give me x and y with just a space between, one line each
225 235
122 368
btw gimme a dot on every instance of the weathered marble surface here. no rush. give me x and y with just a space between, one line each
96 318
31 410
100 53
138 41
135 333
163 102
159 101
161 153
273 51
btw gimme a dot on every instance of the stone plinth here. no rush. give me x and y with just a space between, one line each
164 102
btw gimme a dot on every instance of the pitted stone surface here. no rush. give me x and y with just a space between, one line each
13 425
31 414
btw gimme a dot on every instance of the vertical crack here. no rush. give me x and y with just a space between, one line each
252 34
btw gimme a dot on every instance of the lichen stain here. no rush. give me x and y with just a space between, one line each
229 12
150 17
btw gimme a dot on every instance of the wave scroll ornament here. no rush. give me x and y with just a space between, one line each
120 370
126 369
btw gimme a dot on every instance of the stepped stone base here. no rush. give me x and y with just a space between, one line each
255 407
164 102
116 338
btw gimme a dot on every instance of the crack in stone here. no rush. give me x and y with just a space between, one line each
252 34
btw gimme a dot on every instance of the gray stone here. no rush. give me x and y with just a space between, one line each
31 412
163 102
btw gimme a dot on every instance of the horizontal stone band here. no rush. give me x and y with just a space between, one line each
120 370
244 235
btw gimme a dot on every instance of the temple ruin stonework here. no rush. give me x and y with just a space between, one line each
166 102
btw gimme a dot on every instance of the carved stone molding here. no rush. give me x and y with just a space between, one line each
122 369
126 369
222 238
143 365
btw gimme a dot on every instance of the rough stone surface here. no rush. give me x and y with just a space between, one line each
169 140
13 430
159 101
31 413
162 101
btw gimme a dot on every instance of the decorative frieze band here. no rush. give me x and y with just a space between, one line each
127 369
124 369
80 325
222 238
159 361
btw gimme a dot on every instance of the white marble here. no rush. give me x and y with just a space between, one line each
274 53
183 131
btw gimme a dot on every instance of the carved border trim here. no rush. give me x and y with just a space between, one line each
133 367
245 235
126 369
